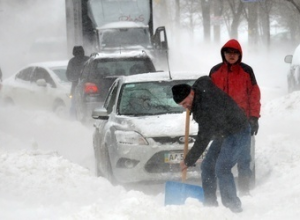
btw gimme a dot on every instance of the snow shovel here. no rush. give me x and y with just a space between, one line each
177 192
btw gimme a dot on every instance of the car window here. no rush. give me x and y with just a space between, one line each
61 73
149 98
87 69
25 74
41 73
118 67
111 97
125 37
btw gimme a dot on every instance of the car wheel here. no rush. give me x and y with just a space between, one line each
107 167
59 108
96 145
80 112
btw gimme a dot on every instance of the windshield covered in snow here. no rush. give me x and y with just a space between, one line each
125 37
149 98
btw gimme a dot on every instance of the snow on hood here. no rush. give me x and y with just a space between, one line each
161 125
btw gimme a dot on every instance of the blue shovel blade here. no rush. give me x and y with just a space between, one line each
176 193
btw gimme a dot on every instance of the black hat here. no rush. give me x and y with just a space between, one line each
180 92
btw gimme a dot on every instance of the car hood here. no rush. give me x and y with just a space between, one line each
159 125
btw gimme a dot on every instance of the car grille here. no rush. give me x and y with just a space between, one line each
156 164
179 139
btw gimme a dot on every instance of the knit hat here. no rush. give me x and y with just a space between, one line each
180 92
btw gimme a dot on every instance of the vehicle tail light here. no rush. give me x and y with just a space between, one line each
90 88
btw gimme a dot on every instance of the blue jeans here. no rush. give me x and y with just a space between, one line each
218 163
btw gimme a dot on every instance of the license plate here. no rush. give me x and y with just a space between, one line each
173 157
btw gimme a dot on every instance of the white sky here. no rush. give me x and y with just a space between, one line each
47 163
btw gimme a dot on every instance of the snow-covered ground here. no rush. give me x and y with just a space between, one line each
47 167
47 163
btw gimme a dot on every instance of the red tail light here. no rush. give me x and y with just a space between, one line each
90 88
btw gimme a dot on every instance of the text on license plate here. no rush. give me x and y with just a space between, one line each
173 157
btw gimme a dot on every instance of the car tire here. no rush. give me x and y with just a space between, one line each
96 145
59 108
80 113
107 170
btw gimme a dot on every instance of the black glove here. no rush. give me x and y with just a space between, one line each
254 125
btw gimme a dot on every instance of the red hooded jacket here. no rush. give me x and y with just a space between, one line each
238 81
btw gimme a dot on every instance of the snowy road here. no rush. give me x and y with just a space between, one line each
47 172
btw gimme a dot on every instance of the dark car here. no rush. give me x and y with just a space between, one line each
99 73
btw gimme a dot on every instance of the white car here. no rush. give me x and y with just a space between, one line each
39 86
140 134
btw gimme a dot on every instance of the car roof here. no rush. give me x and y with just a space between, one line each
49 64
160 76
123 24
122 54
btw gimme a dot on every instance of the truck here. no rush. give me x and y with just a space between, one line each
115 25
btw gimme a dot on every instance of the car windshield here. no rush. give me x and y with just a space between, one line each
125 37
118 67
61 73
149 98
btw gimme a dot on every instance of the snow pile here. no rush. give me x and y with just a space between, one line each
47 172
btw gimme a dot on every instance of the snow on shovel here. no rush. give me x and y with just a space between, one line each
177 192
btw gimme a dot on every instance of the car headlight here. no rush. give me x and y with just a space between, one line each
130 138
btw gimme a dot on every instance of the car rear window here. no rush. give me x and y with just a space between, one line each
119 67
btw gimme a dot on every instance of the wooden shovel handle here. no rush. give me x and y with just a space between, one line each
186 141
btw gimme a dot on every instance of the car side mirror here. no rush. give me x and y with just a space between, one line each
100 113
41 82
288 58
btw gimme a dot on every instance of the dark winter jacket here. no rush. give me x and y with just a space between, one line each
75 64
238 81
217 115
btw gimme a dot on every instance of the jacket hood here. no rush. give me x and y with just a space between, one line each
78 51
234 44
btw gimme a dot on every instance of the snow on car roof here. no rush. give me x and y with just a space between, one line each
122 53
123 24
161 76
48 64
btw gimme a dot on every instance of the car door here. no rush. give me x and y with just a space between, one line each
43 88
21 89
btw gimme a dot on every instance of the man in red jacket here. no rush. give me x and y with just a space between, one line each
237 79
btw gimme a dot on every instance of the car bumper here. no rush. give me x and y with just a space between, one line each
150 165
